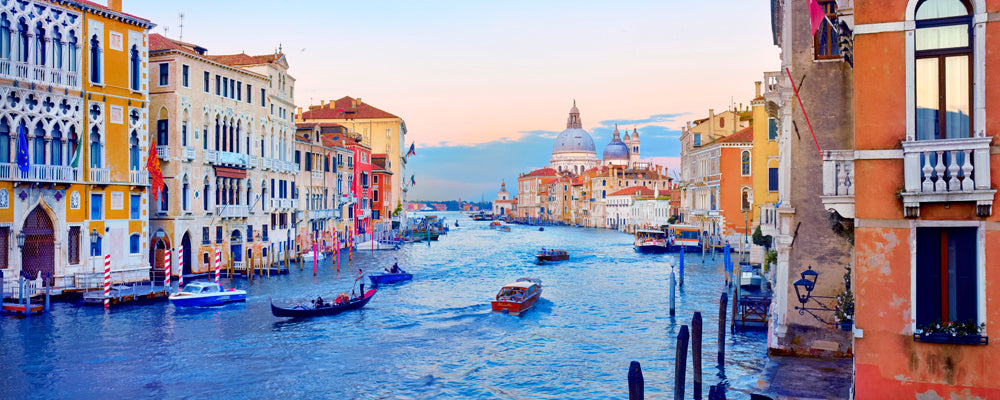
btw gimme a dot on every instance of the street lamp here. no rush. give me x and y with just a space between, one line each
803 290
20 240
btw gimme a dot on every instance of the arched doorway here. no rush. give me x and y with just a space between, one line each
156 270
236 245
186 242
38 254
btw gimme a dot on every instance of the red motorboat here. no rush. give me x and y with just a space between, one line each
518 296
552 255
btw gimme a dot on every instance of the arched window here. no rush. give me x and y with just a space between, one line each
204 195
165 199
95 148
133 152
22 42
71 53
56 147
134 68
39 144
745 163
57 49
39 44
185 190
95 59
4 141
133 244
73 147
943 69
745 199
4 36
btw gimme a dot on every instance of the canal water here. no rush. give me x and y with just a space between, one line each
431 338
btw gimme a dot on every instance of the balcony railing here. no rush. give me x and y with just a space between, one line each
232 211
321 214
838 182
211 157
38 73
947 170
163 152
282 203
138 178
100 175
189 153
265 163
234 159
39 173
317 174
252 162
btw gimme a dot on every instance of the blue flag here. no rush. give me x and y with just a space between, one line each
22 151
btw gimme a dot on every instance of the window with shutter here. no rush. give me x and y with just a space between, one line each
73 241
947 284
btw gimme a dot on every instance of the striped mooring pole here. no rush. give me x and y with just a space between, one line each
218 264
180 268
107 281
166 270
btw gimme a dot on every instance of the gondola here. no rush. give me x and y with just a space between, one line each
380 278
301 311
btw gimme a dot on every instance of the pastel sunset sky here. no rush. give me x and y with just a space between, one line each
484 86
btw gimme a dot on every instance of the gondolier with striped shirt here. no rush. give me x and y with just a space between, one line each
361 274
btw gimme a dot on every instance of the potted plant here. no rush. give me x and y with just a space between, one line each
954 332
845 303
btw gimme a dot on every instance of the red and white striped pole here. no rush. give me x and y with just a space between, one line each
107 281
218 264
180 268
166 270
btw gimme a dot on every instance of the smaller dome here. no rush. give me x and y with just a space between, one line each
635 134
626 137
616 151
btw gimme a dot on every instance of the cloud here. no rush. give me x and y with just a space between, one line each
658 118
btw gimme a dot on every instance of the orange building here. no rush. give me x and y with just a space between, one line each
736 182
927 244
382 206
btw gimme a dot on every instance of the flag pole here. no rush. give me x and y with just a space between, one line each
792 81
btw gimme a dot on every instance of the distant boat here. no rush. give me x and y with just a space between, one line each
307 256
541 228
686 236
377 245
650 241
518 296
317 310
204 294
379 278
552 255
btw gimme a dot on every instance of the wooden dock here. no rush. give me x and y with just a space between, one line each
123 294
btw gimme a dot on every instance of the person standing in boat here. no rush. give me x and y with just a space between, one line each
361 274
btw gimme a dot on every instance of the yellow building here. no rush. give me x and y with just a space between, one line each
74 75
765 153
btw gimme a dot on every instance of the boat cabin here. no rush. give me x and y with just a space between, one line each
649 234
201 287
685 234
518 291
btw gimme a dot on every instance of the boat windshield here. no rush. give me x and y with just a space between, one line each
192 289
687 234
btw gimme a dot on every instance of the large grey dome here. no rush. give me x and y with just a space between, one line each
616 151
574 140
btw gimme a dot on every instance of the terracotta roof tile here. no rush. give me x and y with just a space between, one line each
633 191
745 135
543 172
344 108
245 59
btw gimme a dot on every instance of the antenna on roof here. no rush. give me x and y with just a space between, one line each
181 26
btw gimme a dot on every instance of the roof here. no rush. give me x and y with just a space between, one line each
158 42
634 190
345 108
246 59
100 8
744 135
543 172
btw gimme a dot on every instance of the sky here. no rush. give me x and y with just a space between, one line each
485 86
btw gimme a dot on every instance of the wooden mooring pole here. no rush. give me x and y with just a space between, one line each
722 329
673 294
636 385
680 363
696 330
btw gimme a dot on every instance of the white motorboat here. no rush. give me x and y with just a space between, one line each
376 245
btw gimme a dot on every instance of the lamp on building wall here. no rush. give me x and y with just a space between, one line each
20 240
803 290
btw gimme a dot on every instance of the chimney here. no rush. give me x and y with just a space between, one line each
115 5
359 101
322 103
756 89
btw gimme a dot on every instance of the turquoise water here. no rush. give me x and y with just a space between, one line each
431 338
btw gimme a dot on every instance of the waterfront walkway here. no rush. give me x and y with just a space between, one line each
783 378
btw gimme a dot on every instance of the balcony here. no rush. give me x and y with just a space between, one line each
232 211
773 83
100 176
163 152
211 157
39 173
281 204
947 170
317 174
38 74
321 214
232 159
251 161
265 163
138 178
838 182
189 153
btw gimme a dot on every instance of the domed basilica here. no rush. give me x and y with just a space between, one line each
574 149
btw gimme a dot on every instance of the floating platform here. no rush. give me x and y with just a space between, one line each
23 308
122 294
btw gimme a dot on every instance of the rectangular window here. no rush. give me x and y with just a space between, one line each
947 284
162 137
73 241
262 98
697 139
309 161
134 204
239 91
298 157
5 237
249 93
232 89
772 179
218 234
772 129
218 85
185 71
164 73
207 80
375 196
96 206
205 238
825 45
225 87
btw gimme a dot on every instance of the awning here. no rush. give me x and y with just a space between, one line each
226 172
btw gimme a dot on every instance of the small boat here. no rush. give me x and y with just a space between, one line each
518 296
505 228
552 255
314 310
495 224
380 278
307 256
377 245
749 276
650 241
203 294
541 228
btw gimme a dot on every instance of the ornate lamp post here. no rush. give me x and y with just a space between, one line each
94 237
803 290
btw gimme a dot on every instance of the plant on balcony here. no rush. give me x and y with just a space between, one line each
770 258
399 209
845 302
954 332
761 240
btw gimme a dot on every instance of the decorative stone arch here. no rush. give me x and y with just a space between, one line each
39 252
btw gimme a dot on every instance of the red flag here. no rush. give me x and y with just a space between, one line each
153 166
816 15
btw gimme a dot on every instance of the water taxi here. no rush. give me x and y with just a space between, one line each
650 241
518 296
686 236
552 255
203 294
